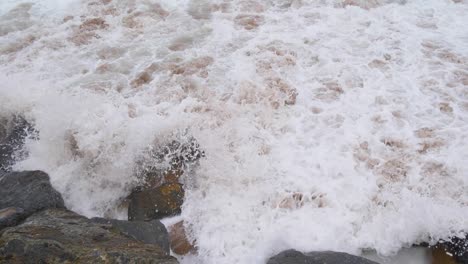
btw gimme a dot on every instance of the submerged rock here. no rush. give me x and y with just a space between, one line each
456 247
157 203
320 257
61 236
24 193
179 241
439 255
152 232
13 133
168 163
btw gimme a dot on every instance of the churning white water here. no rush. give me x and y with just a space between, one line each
326 124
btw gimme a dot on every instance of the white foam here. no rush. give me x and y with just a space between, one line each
369 155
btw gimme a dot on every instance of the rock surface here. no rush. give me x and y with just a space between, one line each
179 241
152 232
157 203
457 247
166 164
12 136
320 257
160 193
10 216
440 256
61 236
28 192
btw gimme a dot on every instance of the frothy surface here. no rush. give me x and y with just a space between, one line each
327 125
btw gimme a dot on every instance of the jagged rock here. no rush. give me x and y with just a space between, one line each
61 236
152 232
157 203
28 192
179 242
320 257
12 136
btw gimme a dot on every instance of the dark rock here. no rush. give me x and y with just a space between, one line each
153 178
13 134
160 193
182 152
10 216
30 191
157 203
179 241
457 247
320 257
166 164
61 236
152 232
178 154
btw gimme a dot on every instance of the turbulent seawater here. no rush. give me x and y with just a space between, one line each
326 124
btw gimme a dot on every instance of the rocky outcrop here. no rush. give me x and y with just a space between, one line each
157 203
152 232
319 257
161 194
12 136
61 236
24 193
179 241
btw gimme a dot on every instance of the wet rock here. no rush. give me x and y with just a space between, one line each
168 163
13 133
152 232
61 236
157 203
10 216
439 255
179 241
154 178
28 192
320 257
457 247
3 129
181 154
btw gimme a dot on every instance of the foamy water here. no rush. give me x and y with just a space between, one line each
326 125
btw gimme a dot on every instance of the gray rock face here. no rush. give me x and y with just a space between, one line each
61 236
153 232
27 192
12 136
321 257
